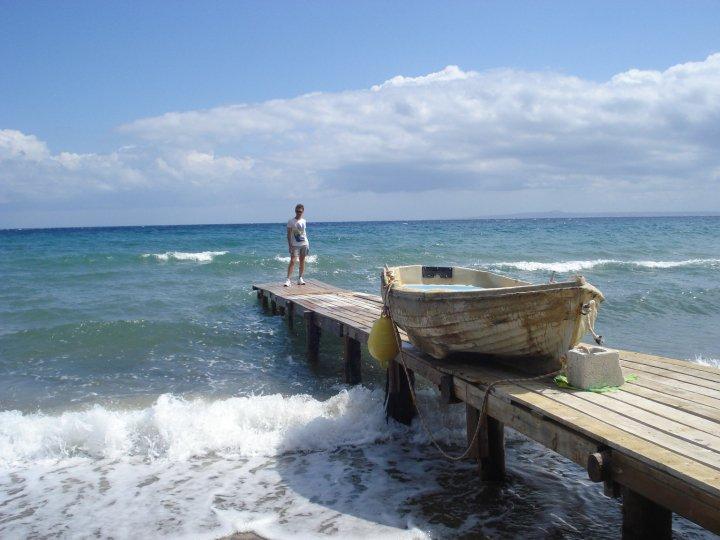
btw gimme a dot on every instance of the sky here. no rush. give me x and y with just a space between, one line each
130 113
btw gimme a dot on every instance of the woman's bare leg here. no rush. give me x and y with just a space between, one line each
302 264
291 266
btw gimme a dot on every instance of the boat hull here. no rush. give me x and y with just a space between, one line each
538 322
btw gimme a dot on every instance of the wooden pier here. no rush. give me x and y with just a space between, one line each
655 442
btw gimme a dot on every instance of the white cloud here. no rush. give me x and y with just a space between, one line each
15 145
464 131
450 73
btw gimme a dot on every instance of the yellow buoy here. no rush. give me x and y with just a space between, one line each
381 342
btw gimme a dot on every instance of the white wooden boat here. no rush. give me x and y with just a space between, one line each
445 310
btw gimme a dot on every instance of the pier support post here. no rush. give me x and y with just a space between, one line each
489 446
290 313
472 416
399 404
351 354
642 518
273 307
313 337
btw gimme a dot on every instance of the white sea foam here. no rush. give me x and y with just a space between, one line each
279 466
176 429
711 362
566 266
674 264
286 259
282 467
576 266
202 256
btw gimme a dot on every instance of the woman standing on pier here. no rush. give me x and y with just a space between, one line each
298 244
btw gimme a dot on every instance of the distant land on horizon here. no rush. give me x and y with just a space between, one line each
560 214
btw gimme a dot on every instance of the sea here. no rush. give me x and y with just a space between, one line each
144 393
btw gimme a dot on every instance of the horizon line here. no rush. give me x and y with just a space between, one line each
499 217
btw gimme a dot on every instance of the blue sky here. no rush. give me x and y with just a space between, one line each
86 88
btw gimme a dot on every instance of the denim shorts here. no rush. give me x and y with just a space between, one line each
300 251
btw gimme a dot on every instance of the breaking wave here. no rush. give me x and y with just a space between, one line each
202 256
177 429
309 258
575 266
710 362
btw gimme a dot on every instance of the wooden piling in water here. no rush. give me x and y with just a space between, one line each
312 333
472 417
492 450
399 404
290 314
488 448
643 519
352 357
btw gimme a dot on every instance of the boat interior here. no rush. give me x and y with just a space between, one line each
449 278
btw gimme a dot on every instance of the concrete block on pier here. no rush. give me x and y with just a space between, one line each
593 367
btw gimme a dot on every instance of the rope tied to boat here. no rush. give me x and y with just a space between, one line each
389 279
589 311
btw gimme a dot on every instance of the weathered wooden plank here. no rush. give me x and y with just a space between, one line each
689 368
697 409
329 323
652 359
673 375
666 411
339 318
344 305
690 470
583 402
345 312
357 333
674 388
656 421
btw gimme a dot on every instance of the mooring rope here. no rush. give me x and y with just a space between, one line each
589 311
482 420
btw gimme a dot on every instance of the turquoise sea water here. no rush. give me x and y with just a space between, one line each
143 391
